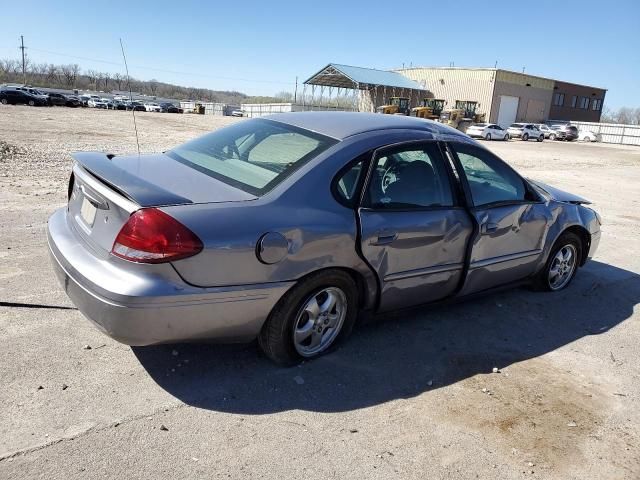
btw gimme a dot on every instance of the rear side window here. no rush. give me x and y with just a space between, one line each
254 155
490 179
348 182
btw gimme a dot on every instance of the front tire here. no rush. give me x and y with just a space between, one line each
4 101
506 137
311 318
525 137
552 137
31 103
562 264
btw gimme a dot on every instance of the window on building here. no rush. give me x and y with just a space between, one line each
558 99
584 103
574 101
596 104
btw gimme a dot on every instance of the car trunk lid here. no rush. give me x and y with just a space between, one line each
104 190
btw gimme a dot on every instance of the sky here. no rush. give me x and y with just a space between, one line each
261 47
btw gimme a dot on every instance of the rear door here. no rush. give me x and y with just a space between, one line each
414 231
511 217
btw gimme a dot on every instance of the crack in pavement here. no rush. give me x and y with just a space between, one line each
87 431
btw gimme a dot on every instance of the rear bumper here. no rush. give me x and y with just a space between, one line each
144 307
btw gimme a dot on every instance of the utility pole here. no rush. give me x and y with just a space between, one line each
295 92
24 72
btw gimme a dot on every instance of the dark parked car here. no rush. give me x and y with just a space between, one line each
57 99
135 106
118 105
63 100
20 97
73 101
285 228
170 108
566 132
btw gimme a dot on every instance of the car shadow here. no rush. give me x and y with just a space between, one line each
401 355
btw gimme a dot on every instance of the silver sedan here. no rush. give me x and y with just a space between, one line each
288 227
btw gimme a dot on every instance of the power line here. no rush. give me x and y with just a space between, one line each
142 67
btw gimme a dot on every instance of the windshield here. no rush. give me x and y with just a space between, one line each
253 155
517 125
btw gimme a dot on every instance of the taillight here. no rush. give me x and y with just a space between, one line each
152 236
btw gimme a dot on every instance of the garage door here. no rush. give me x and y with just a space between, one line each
508 110
535 111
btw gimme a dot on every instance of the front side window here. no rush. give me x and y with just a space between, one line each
410 176
490 179
254 155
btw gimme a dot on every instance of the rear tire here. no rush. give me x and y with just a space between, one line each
506 138
487 136
525 137
540 138
552 137
566 270
4 101
31 103
282 337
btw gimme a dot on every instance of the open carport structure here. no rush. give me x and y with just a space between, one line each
367 88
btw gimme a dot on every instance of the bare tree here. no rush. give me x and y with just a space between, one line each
106 76
93 77
624 115
284 97
51 74
153 86
69 75
75 68
118 78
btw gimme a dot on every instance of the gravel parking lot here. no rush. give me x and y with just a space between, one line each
409 396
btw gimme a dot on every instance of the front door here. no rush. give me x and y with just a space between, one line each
512 220
413 231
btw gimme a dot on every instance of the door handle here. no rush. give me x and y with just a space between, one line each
488 227
384 238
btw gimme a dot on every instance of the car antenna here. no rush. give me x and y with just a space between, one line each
133 109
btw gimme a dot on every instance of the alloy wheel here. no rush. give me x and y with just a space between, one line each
562 267
319 321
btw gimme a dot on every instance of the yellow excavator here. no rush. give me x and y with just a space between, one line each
463 115
430 108
397 106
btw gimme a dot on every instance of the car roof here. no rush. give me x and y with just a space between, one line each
341 125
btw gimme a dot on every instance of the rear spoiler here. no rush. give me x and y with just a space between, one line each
132 187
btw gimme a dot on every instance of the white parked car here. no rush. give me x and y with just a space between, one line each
587 136
488 131
97 103
152 107
525 131
548 131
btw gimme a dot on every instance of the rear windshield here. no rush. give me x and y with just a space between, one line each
253 155
480 125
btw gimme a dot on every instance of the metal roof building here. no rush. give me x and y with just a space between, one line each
370 87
